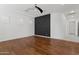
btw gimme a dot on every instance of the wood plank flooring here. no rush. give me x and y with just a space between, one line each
35 45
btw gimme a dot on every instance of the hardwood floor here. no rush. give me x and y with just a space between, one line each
35 45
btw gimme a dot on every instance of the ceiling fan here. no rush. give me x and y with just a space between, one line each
41 11
35 7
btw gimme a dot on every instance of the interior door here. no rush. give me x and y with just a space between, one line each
42 25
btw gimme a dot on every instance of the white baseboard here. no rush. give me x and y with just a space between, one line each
65 39
42 36
13 38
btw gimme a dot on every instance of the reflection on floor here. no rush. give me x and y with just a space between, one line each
35 45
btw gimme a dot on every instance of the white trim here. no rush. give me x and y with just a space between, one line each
65 39
14 38
42 36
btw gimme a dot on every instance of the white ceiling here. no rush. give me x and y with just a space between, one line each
60 7
48 8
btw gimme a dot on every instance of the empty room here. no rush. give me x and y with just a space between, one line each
39 29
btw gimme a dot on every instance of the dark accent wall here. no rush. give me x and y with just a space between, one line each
42 25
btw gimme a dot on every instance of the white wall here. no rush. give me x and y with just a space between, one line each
14 25
59 28
72 30
58 25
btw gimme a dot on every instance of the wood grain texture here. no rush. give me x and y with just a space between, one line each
35 45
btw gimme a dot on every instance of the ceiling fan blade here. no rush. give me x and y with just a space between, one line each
39 9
